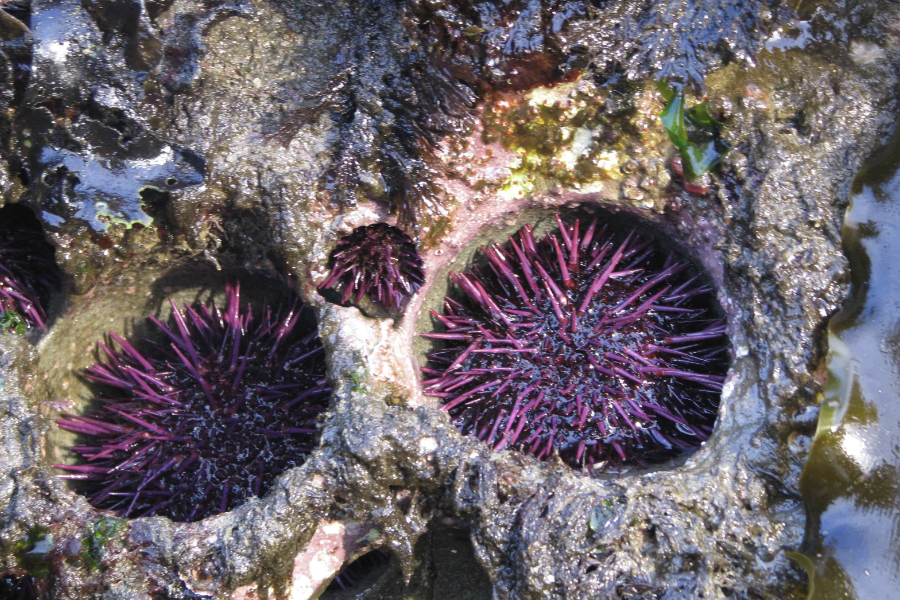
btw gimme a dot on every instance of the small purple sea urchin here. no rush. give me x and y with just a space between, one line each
206 420
379 261
596 345
28 271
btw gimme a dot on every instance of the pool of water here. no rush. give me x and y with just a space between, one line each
851 483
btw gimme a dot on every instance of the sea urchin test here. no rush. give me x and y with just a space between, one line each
589 343
204 419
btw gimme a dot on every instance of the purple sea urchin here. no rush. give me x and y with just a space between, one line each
206 420
28 271
595 345
378 261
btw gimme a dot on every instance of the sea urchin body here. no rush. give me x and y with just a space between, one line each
378 261
204 419
590 344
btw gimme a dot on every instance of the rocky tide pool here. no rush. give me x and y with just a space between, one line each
465 299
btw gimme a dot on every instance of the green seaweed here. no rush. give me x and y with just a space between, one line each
10 320
98 535
665 90
672 118
808 566
699 159
694 132
33 552
357 386
699 114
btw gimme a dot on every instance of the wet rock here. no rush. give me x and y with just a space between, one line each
285 125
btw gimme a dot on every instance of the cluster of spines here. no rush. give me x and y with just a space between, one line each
378 261
28 270
584 343
419 106
205 420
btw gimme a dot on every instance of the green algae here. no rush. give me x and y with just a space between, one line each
33 551
12 321
97 535
810 568
694 132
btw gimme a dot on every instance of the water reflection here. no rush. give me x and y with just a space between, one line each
851 483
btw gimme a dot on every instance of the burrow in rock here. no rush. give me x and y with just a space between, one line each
560 341
193 414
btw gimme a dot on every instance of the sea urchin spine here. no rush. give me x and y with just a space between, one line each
27 270
206 420
591 344
378 261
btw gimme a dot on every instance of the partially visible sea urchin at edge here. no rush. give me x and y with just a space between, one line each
198 423
378 261
28 271
597 346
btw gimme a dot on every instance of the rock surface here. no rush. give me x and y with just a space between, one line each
162 141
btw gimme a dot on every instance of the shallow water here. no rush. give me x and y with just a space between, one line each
851 483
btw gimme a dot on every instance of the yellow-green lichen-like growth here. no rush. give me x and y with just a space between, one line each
565 135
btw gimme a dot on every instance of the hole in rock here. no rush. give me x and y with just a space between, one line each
458 574
157 203
358 576
590 335
28 271
446 567
189 411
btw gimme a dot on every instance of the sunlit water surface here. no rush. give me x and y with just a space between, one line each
851 483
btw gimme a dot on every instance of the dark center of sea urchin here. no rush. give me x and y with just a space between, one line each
378 261
594 345
28 271
204 419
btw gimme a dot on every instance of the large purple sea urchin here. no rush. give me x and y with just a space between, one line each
204 419
28 271
594 345
378 261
